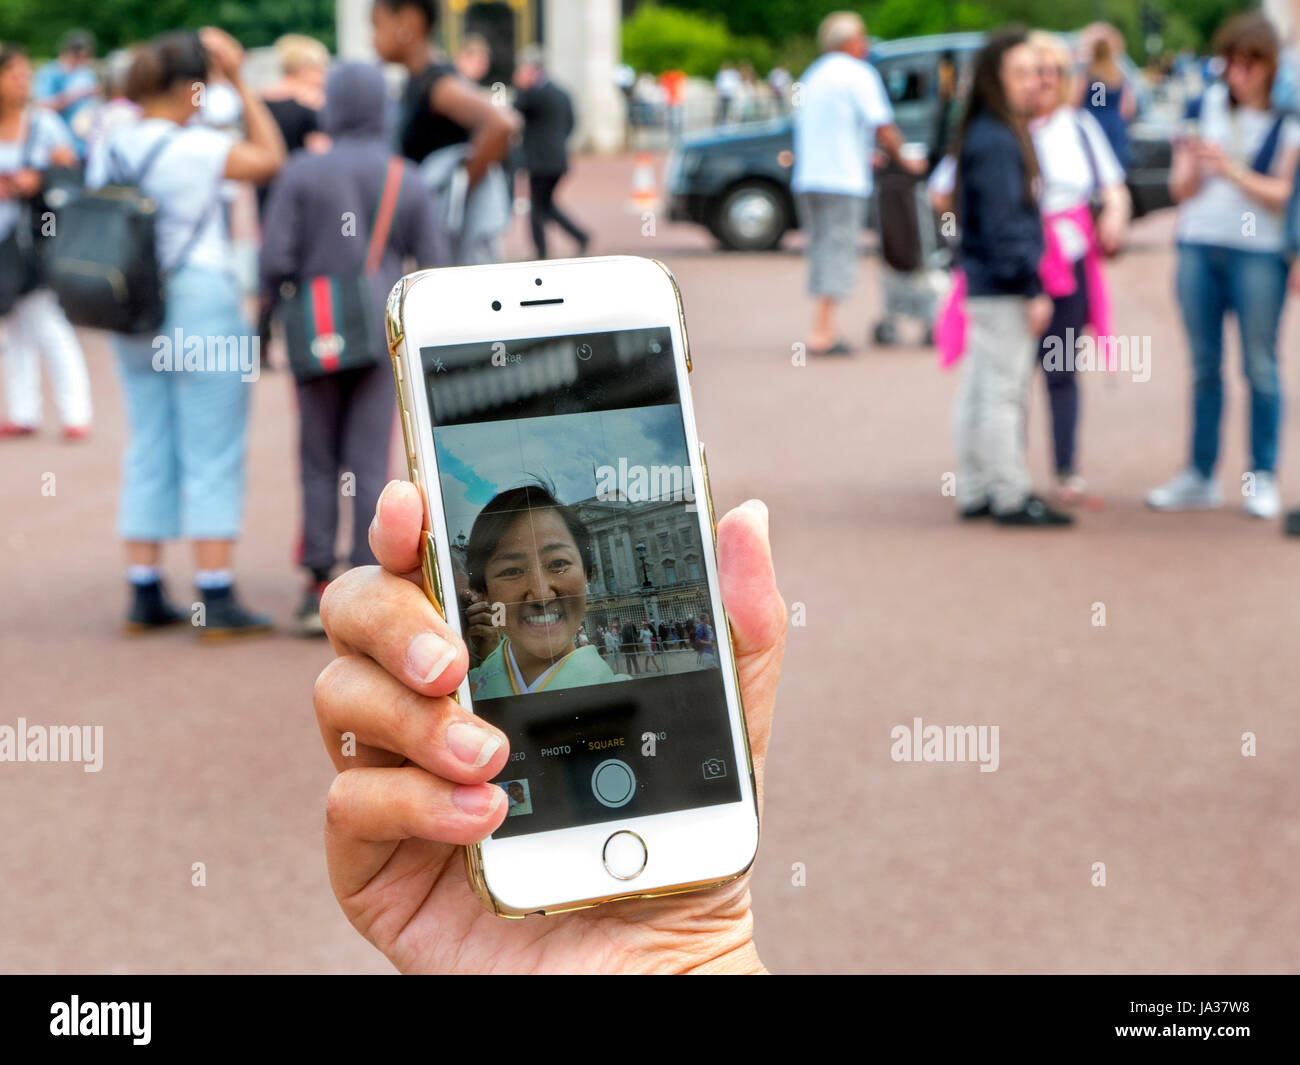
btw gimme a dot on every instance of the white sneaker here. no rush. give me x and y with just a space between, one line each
1265 502
1188 491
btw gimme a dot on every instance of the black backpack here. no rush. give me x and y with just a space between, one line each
102 261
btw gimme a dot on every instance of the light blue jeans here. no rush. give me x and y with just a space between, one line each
183 469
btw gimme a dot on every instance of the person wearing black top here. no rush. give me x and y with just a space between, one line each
296 99
548 122
439 107
1001 245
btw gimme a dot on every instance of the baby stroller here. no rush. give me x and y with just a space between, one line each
915 259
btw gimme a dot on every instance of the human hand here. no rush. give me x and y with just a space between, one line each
225 54
1212 159
481 631
916 165
1111 228
24 184
1038 314
416 790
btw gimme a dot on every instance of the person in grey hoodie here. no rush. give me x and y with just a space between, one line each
345 418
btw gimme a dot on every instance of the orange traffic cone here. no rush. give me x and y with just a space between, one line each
645 194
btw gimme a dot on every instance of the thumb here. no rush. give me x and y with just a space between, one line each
757 615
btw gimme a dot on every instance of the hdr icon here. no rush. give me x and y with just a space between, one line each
500 356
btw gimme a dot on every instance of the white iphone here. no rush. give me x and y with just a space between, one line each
547 419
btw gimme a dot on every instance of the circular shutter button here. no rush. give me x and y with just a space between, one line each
624 855
613 783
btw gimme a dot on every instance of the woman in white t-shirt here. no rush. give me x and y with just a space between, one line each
187 389
1077 168
1231 175
31 139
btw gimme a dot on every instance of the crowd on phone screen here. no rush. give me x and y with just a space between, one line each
353 190
1034 176
639 648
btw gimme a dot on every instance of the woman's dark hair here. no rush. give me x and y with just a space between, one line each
988 96
1249 35
495 519
10 52
427 8
170 58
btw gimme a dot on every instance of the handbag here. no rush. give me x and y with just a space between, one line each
329 321
19 262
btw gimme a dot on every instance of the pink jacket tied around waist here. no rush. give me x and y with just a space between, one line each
1057 274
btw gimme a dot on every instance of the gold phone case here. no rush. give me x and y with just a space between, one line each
405 375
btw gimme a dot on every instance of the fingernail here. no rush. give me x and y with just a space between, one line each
758 507
428 655
476 799
379 507
472 745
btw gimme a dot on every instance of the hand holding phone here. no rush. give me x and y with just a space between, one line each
404 802
482 632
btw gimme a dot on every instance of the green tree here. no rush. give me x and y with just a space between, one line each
1188 22
659 38
38 24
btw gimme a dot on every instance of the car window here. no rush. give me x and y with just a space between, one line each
905 81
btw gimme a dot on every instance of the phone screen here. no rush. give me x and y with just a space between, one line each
566 484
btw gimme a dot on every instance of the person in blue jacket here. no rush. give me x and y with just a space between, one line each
1006 308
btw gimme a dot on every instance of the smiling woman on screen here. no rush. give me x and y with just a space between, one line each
532 555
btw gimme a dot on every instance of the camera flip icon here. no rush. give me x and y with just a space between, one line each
714 768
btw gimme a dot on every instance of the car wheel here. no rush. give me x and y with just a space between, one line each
753 216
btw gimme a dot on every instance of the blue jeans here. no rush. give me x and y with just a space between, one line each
183 469
1211 281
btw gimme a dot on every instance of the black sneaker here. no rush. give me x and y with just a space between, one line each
225 617
307 621
979 510
1034 512
150 609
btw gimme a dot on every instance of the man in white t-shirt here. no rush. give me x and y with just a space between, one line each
842 113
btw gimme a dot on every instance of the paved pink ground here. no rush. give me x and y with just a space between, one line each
1118 744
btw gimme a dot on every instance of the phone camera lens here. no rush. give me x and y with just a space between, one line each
496 305
537 281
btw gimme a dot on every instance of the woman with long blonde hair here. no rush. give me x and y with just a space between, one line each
1105 93
1079 175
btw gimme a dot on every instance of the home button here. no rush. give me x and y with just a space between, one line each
624 855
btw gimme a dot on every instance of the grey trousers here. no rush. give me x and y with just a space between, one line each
989 412
346 425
